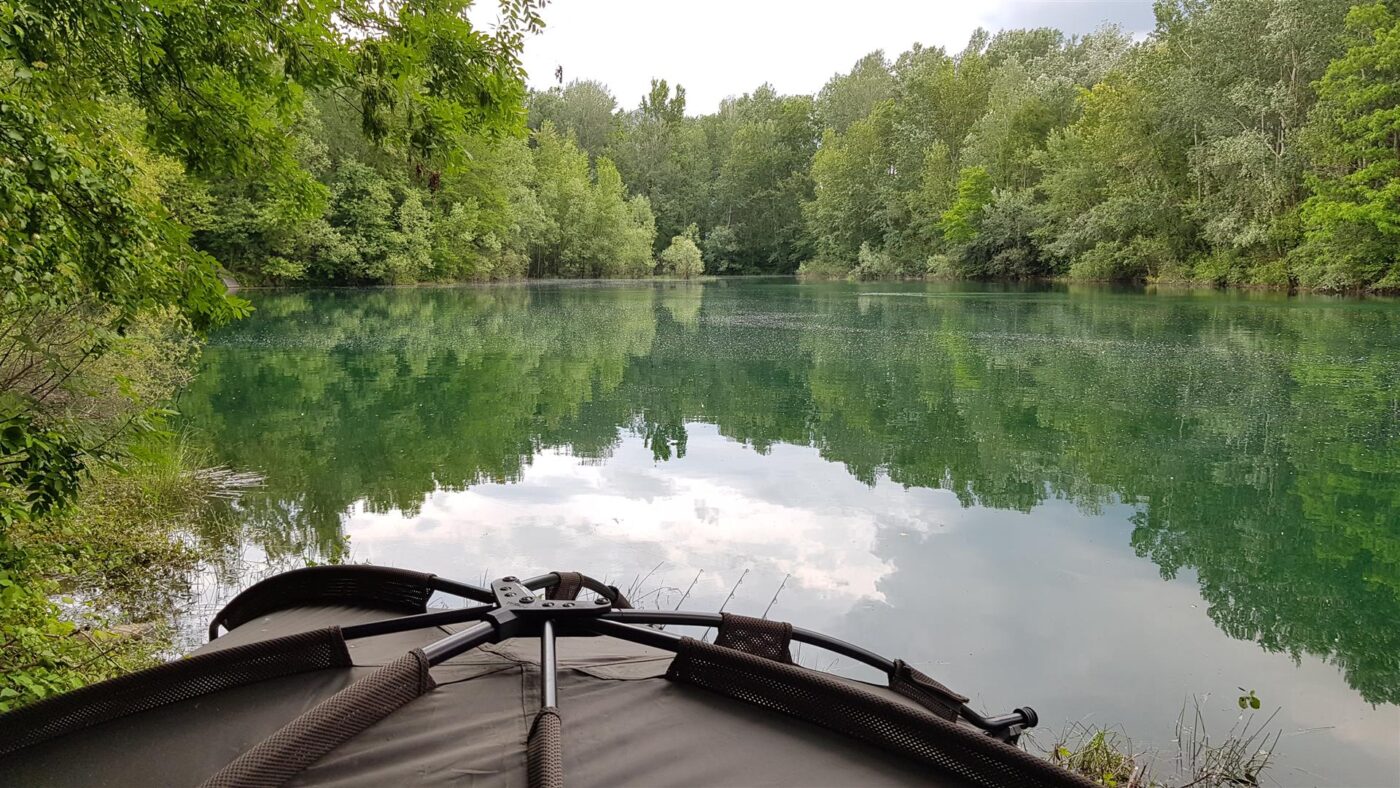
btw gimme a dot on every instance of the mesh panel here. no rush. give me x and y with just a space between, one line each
304 740
568 586
397 590
894 726
757 636
545 754
171 683
925 691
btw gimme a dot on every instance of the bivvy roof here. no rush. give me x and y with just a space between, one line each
343 676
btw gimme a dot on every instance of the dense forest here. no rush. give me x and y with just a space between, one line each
1242 142
131 136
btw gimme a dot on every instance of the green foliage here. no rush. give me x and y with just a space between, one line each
1352 221
961 222
136 139
123 550
1003 245
585 109
873 264
682 258
587 226
763 179
1223 149
100 127
721 249
846 98
664 157
850 173
1106 756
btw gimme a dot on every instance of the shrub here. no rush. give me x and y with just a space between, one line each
682 258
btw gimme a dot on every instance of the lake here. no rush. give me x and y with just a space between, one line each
1097 502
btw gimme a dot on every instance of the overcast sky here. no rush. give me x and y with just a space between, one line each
718 48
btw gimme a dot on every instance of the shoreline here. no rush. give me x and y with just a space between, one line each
1146 287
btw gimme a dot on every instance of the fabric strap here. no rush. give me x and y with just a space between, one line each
925 691
757 636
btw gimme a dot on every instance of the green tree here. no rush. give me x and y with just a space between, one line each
412 259
763 180
1112 200
585 108
664 156
1004 245
682 258
113 116
852 176
588 226
1353 219
961 222
846 98
721 249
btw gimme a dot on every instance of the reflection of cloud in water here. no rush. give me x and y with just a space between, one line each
722 509
1046 608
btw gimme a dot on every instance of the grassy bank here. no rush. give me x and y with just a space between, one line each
90 593
1107 756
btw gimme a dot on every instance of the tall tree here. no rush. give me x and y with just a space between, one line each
583 107
846 98
1353 219
663 156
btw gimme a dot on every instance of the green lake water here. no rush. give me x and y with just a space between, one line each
1095 502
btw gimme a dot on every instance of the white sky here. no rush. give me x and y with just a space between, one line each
718 48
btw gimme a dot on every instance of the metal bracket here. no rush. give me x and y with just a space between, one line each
512 596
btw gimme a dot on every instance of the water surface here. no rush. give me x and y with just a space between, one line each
1096 502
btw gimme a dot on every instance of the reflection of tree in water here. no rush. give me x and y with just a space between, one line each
1260 437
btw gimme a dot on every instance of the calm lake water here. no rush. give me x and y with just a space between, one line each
1099 503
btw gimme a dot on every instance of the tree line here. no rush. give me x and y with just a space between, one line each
1242 142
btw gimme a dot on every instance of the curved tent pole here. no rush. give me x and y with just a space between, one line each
689 618
499 622
624 625
395 589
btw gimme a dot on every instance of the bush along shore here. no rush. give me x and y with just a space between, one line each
92 593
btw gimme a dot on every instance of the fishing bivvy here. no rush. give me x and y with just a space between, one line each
343 676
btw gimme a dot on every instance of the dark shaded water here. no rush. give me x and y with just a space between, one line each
1098 503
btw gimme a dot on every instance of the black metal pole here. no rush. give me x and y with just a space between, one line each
620 624
635 634
474 593
684 618
549 688
452 645
404 623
